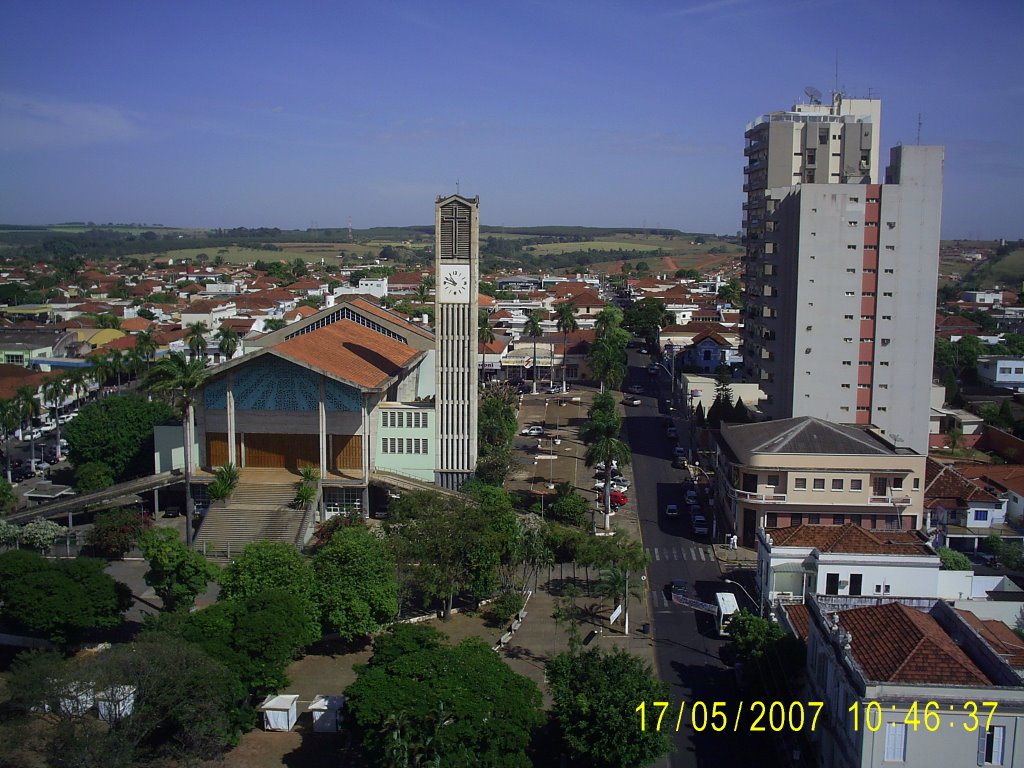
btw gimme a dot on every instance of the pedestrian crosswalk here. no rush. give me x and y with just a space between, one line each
696 552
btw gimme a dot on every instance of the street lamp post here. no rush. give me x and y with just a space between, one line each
758 603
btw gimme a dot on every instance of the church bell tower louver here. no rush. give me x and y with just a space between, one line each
456 305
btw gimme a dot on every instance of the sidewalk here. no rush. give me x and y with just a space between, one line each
540 637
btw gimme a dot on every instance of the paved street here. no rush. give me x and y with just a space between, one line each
687 648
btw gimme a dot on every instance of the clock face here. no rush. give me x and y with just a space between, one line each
453 284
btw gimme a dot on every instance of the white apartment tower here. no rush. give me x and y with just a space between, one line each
841 270
456 297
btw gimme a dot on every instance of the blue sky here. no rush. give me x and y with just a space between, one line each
589 113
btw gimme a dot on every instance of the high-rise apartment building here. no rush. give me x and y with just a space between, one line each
841 270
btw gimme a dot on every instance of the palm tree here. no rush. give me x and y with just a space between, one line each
484 335
533 330
566 323
614 582
145 343
28 408
55 392
607 361
196 338
182 378
607 319
8 423
227 342
422 293
100 368
108 321
135 361
604 446
118 365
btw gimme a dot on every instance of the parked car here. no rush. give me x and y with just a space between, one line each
691 495
555 389
680 452
534 431
636 389
617 487
699 524
21 473
672 433
619 498
631 400
671 510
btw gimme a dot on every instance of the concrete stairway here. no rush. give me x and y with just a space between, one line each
255 512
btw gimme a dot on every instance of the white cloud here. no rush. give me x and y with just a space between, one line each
32 122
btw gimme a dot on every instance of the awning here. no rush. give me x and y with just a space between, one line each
791 568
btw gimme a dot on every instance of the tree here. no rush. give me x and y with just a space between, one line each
55 392
451 543
93 476
274 324
484 335
8 498
533 330
732 293
751 636
646 317
177 573
614 583
607 358
145 343
62 600
196 338
28 409
41 534
604 447
227 342
565 315
422 702
355 583
951 560
256 637
570 509
115 531
8 424
588 691
118 433
182 378
187 706
496 429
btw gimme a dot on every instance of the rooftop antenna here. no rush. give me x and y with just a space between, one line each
835 88
813 94
457 187
919 128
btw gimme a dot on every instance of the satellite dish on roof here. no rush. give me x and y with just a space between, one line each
813 94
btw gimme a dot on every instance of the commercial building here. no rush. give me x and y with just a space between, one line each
841 270
776 474
908 686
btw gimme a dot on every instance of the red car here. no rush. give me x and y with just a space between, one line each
619 498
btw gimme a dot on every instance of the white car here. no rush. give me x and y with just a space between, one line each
671 510
699 524
631 400
621 487
534 431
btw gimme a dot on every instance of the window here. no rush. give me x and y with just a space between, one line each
887 317
995 737
773 481
891 224
856 582
838 519
819 484
981 515
796 519
890 247
851 247
837 484
846 386
847 362
401 445
848 317
800 483
831 583
848 339
889 271
917 484
886 293
814 519
897 483
895 742
880 486
771 520
856 485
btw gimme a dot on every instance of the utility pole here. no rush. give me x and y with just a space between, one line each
625 604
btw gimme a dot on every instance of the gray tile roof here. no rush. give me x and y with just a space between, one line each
804 435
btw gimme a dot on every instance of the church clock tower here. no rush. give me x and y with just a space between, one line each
456 302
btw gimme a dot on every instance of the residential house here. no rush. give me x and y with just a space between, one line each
1001 371
963 511
775 474
710 350
1004 480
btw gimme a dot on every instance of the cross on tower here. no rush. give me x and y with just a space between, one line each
455 214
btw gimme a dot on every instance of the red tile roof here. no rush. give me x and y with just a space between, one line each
1002 639
897 644
799 618
349 351
1008 476
370 308
852 538
14 376
945 486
